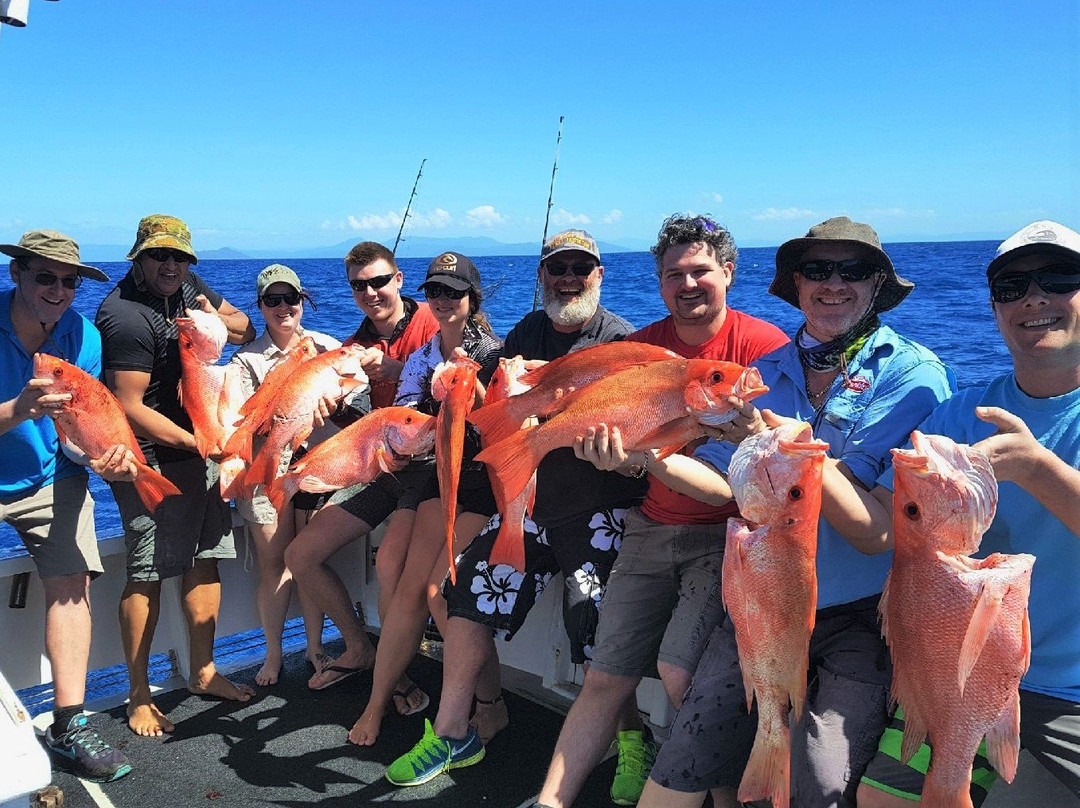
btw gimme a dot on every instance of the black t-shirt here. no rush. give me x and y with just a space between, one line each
565 486
138 332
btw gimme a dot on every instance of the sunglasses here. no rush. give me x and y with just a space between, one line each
850 269
378 282
272 301
433 291
48 279
163 254
1059 279
580 270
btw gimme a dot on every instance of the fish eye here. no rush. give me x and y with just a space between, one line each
911 510
717 377
796 492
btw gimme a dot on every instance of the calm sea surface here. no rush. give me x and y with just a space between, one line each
948 312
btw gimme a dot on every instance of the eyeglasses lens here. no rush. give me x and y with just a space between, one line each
850 270
1060 279
433 291
378 282
48 279
580 270
163 254
288 298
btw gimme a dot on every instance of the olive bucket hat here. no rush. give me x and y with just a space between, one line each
55 247
842 230
159 230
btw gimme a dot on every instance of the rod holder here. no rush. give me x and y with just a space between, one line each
19 584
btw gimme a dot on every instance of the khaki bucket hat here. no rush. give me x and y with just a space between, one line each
842 230
159 230
54 246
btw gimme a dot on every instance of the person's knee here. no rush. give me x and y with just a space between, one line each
676 682
67 589
606 686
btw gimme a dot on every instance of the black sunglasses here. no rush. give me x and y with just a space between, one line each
580 270
433 291
272 301
163 254
48 279
1059 279
378 282
850 269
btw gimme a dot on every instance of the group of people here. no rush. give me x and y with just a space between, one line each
639 534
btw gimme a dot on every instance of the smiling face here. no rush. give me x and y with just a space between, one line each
447 311
694 284
33 302
833 306
282 320
162 278
1040 329
383 306
570 300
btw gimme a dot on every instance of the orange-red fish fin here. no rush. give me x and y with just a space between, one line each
987 609
914 732
153 487
1025 638
509 547
512 460
280 491
1003 739
768 771
231 476
669 437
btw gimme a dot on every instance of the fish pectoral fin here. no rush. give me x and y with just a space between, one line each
669 437
987 609
315 485
1003 739
914 733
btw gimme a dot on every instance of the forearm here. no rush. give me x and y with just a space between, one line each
239 326
860 516
9 417
151 424
689 476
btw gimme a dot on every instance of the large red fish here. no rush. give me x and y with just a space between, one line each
957 627
202 336
93 420
454 384
541 386
357 454
658 405
292 414
509 547
770 590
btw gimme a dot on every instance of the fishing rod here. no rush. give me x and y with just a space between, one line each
405 218
547 216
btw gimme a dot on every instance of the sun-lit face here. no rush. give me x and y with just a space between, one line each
694 284
282 319
570 300
833 306
1041 325
45 304
163 278
447 311
383 305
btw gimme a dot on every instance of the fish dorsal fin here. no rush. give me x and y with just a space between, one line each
985 614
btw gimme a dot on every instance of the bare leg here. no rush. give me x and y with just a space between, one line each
490 716
309 610
656 796
274 590
139 607
390 560
200 591
676 682
870 797
330 530
586 734
467 647
67 635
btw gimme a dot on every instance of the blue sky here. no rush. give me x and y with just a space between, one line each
291 124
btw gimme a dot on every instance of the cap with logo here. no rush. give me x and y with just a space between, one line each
570 240
454 270
276 273
1038 237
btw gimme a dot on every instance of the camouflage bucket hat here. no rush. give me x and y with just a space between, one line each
842 230
159 230
55 247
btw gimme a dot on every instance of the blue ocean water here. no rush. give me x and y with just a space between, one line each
949 310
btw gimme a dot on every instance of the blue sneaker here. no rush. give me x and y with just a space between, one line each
434 755
86 754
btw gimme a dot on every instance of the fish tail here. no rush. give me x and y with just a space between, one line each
513 461
231 476
509 547
281 490
239 443
768 772
152 487
493 421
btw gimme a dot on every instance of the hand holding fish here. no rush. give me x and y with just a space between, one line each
603 447
118 464
380 368
36 401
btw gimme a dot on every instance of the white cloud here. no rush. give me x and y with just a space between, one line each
781 214
437 218
375 221
718 198
484 216
614 216
564 217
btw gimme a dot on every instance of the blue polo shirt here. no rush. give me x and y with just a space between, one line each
31 451
893 384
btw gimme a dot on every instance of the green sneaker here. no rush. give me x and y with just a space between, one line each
637 751
434 755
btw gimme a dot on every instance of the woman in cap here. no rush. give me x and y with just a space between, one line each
863 388
452 289
281 303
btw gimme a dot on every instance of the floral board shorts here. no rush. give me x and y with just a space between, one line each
583 549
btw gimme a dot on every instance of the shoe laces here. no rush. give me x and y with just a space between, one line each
632 757
88 738
432 748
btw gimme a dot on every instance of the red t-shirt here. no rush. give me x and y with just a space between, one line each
416 328
742 339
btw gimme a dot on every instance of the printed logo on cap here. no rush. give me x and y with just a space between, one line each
447 262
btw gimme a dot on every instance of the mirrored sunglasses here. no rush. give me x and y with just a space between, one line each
850 269
272 301
1059 279
163 254
378 282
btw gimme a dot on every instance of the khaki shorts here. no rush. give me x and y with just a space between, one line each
195 524
56 525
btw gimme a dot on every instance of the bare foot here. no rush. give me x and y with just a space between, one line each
366 729
220 687
345 665
408 698
148 720
268 674
490 718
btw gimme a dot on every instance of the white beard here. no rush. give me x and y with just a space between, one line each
573 312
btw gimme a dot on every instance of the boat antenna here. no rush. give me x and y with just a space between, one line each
405 218
547 215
